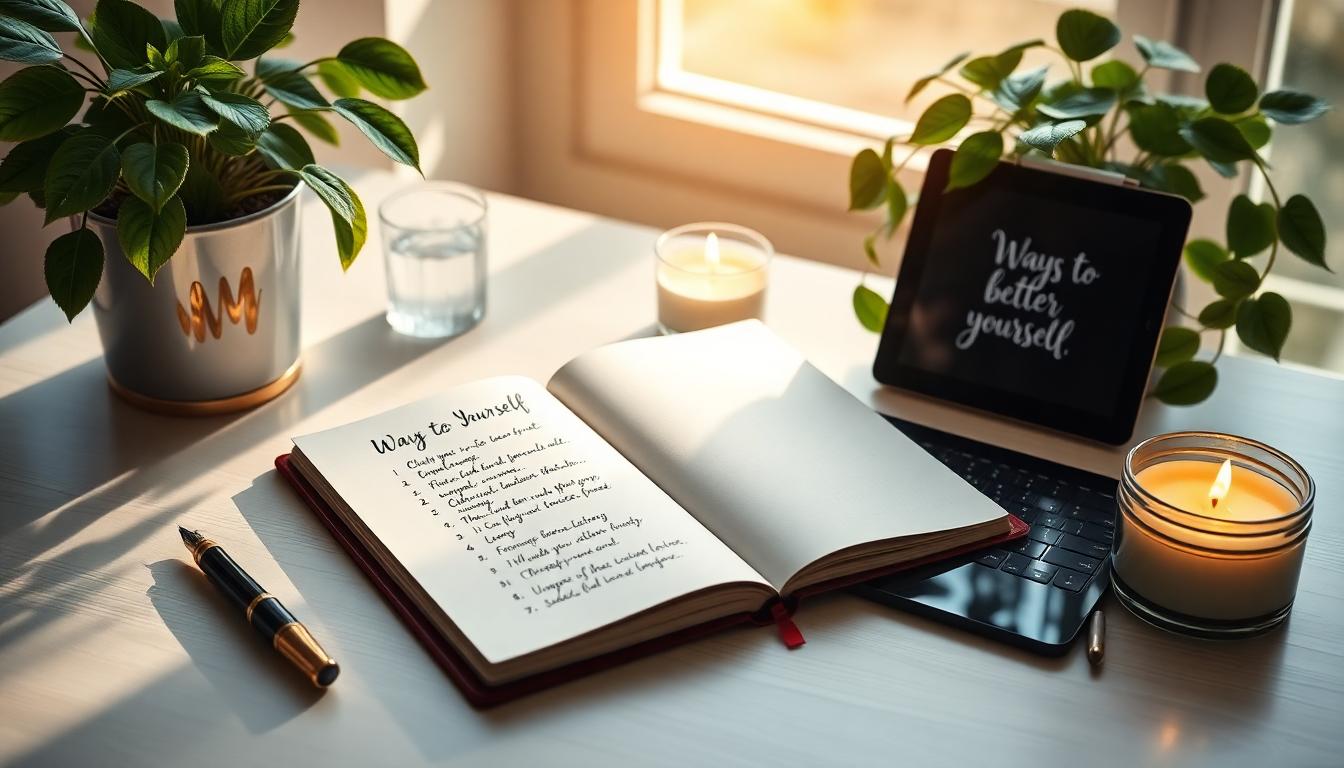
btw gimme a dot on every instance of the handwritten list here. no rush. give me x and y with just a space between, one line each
507 508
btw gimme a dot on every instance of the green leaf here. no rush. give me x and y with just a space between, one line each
870 250
1176 345
153 173
74 265
1087 103
24 169
38 101
1164 55
215 70
1217 140
1203 257
81 175
26 44
1263 323
150 239
232 140
120 81
1256 131
1047 136
49 15
1230 89
1221 313
186 111
1292 107
1186 383
942 120
249 28
248 114
919 85
989 71
1250 227
284 147
200 17
974 159
155 57
867 180
347 212
8 197
897 205
122 30
284 82
1017 92
383 67
1176 179
338 79
316 124
1116 75
387 132
1235 279
1302 231
1084 35
870 308
187 52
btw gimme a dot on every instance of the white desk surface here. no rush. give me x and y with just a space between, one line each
114 651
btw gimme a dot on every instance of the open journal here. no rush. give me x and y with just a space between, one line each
651 487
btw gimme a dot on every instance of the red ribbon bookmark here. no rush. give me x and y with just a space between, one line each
788 631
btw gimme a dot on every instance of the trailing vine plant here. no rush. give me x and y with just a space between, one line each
1081 119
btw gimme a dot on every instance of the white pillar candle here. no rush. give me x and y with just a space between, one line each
710 274
1213 535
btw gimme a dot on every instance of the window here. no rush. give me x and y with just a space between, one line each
1306 159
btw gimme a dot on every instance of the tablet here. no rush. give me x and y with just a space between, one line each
1034 295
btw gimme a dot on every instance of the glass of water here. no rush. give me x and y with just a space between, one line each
434 237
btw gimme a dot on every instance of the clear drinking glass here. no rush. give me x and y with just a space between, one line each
434 237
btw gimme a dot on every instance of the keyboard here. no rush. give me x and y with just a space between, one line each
1035 592
1072 523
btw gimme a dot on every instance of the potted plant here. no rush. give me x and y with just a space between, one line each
1083 119
181 181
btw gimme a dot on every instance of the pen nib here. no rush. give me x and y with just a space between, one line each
190 538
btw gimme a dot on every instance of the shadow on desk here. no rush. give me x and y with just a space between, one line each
249 678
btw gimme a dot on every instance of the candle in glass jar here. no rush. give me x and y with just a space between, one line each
1211 546
710 274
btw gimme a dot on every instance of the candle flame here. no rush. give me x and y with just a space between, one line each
712 251
1221 484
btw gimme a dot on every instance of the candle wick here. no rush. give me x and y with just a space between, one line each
1214 500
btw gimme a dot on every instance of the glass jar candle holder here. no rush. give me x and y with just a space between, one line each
1197 555
709 274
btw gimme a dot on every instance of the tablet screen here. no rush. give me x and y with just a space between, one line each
1035 295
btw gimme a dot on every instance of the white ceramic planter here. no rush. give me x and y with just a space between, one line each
218 330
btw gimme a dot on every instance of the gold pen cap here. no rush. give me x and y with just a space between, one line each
1096 638
296 643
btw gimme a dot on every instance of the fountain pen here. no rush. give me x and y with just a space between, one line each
263 611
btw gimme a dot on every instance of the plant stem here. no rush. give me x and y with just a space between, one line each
1222 339
82 66
1278 206
317 61
246 193
1181 310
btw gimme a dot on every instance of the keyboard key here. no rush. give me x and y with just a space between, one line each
1051 521
1041 572
1043 534
1072 527
1091 515
992 558
1083 546
1016 564
1071 560
1070 580
1024 513
1049 504
1098 533
1026 546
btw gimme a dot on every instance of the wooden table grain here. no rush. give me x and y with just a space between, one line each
113 651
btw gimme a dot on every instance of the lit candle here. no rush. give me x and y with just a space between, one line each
710 274
1208 543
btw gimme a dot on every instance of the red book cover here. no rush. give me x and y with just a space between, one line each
481 694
